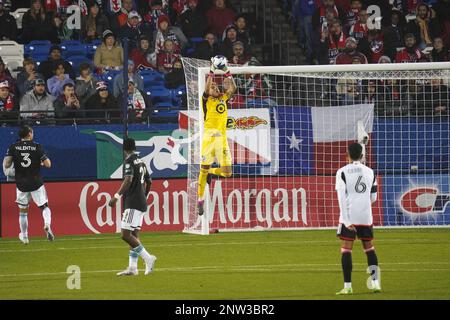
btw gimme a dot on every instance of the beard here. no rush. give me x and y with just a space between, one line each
410 49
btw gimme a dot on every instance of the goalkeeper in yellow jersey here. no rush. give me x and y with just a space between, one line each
214 143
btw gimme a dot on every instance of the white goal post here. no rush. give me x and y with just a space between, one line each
288 129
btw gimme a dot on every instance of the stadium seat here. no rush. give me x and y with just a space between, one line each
196 40
18 15
38 58
37 47
159 94
69 50
164 110
11 49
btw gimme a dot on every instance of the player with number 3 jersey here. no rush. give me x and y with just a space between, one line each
28 157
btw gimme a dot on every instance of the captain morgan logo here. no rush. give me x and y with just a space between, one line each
245 123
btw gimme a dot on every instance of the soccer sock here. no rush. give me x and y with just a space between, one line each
202 182
47 214
372 260
140 250
347 266
133 259
23 222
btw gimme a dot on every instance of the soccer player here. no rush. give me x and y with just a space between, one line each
28 157
134 189
215 144
356 188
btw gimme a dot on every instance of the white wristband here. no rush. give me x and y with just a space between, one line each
117 196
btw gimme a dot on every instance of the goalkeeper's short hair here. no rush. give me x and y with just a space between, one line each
355 151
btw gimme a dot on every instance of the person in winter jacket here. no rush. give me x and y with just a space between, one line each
37 99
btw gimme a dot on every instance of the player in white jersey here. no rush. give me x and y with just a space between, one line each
356 187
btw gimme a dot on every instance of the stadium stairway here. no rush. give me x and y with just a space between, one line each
277 44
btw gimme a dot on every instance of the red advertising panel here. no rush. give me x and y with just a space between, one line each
264 202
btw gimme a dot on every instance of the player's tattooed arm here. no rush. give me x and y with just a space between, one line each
126 183
7 162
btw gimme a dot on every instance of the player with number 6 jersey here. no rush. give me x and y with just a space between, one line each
28 157
356 187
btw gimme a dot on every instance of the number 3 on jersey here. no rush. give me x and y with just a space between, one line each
26 160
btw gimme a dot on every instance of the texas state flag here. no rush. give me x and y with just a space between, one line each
314 140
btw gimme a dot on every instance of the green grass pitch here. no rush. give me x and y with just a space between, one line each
414 263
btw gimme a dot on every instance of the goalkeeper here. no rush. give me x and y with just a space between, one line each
214 143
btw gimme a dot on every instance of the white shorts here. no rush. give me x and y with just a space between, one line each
132 219
39 197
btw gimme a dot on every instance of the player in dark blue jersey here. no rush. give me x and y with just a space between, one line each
27 157
134 189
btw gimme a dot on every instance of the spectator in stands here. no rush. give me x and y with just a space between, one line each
207 49
440 53
359 29
60 30
319 15
442 9
37 99
142 55
67 105
120 18
8 26
306 35
56 83
151 15
109 55
167 57
5 75
239 55
411 53
132 75
353 13
8 101
332 42
166 31
226 48
256 88
219 17
425 28
26 78
102 100
242 30
373 46
46 68
94 24
436 98
85 84
393 34
54 6
349 91
175 78
36 23
350 52
192 21
139 105
133 29
384 59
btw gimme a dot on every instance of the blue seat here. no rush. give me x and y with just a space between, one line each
73 50
31 50
39 58
40 43
159 94
71 43
196 40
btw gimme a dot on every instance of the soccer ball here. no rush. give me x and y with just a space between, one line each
219 62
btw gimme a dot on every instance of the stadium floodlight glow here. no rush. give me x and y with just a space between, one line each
288 130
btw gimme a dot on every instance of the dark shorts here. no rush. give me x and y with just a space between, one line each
363 232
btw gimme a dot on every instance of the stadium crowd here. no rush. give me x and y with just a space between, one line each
160 32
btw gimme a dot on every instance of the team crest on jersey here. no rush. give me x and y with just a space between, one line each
220 108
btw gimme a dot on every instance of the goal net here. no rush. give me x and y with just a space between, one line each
288 129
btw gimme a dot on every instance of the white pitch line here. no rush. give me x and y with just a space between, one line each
207 244
247 268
